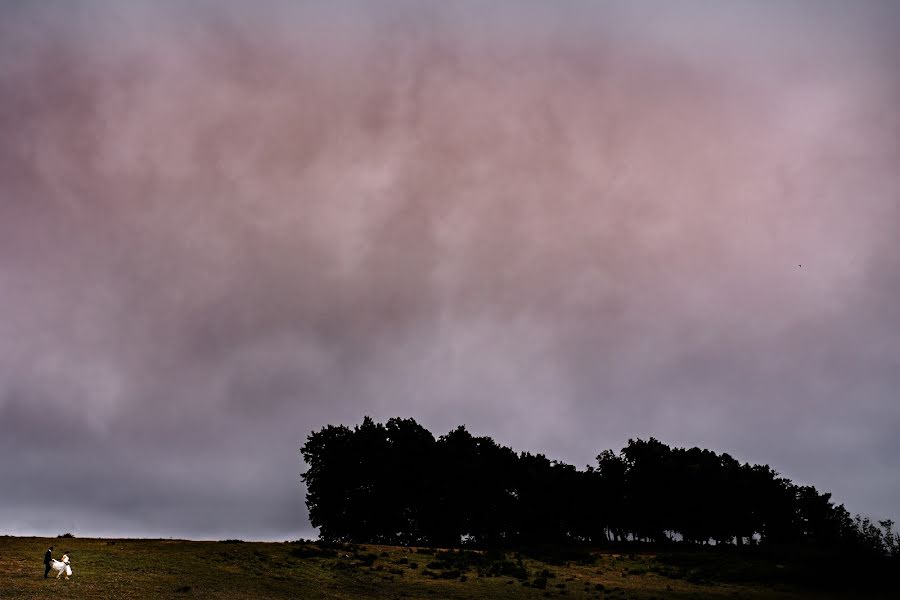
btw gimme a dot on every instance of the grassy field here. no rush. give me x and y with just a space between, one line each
131 569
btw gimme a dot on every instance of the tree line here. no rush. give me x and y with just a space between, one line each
395 483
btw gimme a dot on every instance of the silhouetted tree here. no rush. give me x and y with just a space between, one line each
649 488
612 470
410 482
330 482
396 484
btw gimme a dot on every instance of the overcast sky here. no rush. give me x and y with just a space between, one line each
564 224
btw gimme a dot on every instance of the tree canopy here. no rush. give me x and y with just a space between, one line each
395 483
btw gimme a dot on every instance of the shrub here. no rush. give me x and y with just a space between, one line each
335 546
561 555
504 568
310 551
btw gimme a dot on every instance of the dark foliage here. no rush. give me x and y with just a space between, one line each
492 563
312 551
395 483
560 555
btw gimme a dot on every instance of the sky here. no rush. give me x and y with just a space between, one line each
225 225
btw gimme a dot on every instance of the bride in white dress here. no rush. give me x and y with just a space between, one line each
61 566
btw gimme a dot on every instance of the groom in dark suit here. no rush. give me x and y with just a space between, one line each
47 557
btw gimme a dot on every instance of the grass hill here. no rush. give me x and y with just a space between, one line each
131 569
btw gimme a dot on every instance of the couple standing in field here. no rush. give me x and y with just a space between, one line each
60 566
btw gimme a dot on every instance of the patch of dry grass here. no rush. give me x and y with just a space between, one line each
132 569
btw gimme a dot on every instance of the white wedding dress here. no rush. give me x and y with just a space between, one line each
61 566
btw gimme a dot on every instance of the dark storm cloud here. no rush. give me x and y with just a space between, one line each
564 226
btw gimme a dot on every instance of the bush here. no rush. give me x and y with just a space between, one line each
461 560
504 568
325 545
448 574
488 564
310 551
560 556
65 535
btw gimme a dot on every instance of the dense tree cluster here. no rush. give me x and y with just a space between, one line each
395 483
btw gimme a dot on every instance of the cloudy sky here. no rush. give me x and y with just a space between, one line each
564 224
